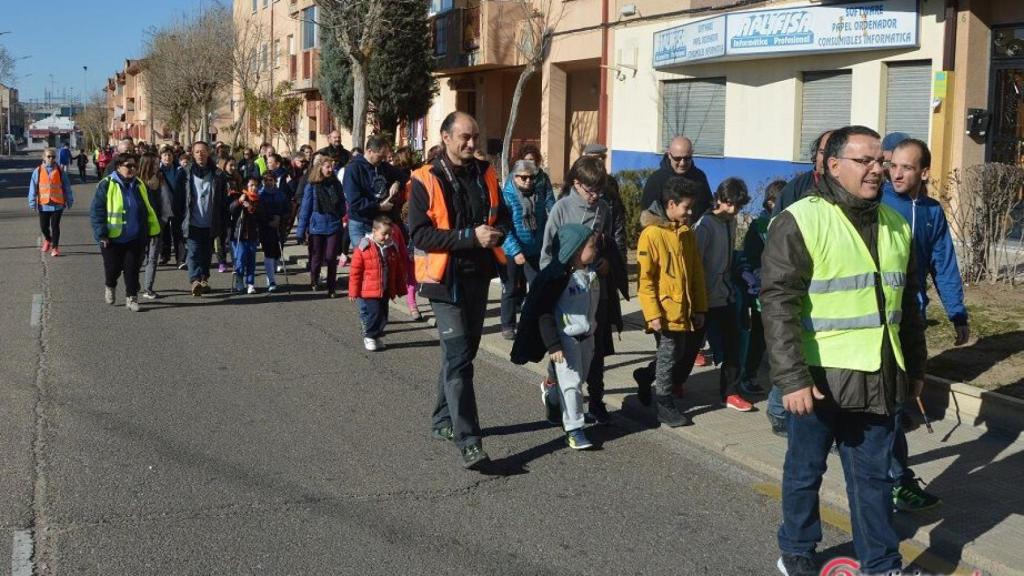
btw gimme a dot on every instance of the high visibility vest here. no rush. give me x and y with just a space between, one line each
261 164
431 266
116 212
842 324
51 187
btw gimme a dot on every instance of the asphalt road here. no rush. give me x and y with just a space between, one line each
254 435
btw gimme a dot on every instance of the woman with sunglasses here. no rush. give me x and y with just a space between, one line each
49 193
527 204
123 221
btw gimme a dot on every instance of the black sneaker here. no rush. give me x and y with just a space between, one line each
552 410
644 378
443 433
473 456
669 415
778 425
793 565
599 413
910 497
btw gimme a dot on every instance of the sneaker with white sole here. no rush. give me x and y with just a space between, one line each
149 295
250 289
380 343
132 303
108 295
577 440
370 344
738 403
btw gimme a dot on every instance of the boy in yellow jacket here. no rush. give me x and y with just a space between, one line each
671 291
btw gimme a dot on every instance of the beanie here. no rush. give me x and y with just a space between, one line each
890 141
571 238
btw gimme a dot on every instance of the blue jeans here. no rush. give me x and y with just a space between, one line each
244 257
358 230
865 442
775 409
200 249
373 315
899 470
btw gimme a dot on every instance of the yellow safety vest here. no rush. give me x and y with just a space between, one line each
843 326
116 212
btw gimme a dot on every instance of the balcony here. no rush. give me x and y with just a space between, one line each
306 73
475 34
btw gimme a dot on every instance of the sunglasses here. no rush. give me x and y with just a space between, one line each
678 159
130 166
525 177
50 156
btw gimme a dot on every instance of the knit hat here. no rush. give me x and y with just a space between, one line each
595 149
890 141
571 237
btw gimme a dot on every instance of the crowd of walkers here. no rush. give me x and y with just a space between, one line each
828 283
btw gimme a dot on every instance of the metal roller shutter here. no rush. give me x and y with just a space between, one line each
695 109
908 98
826 106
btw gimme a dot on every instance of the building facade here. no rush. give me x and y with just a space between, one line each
129 110
11 119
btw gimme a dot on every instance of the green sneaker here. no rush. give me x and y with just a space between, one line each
910 497
443 433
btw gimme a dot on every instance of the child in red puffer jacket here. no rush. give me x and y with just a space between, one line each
377 275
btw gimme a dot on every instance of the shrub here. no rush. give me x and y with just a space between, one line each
631 188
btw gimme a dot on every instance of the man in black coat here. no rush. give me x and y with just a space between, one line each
200 198
678 161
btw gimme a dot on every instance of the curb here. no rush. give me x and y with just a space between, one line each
984 408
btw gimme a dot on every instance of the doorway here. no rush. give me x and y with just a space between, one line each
1006 134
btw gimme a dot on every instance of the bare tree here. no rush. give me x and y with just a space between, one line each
190 65
93 122
248 72
6 64
533 46
358 26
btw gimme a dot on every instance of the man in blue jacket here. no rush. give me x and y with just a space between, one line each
933 250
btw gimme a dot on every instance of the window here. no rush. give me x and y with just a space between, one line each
826 106
291 45
255 5
439 7
277 53
263 56
441 36
266 3
908 97
695 109
310 37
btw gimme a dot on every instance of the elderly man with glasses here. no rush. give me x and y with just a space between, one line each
678 161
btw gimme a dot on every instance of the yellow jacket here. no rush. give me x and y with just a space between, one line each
671 280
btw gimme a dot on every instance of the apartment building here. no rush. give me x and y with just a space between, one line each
288 49
129 110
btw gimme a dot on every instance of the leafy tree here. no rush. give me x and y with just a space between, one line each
399 80
276 112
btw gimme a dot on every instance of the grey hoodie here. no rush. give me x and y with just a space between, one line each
572 209
715 240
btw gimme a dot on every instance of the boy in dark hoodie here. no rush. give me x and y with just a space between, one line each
560 318
671 291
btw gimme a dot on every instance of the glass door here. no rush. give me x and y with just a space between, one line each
1006 130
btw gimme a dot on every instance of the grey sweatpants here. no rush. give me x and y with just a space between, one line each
571 375
153 250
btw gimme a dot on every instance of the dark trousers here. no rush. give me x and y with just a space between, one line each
124 259
81 172
323 251
49 223
674 360
373 315
724 331
200 247
220 246
899 468
513 288
460 326
865 442
173 238
755 347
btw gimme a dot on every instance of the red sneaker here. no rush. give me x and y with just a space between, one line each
701 360
55 252
46 246
736 402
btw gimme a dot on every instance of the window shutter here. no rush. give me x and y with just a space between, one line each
908 98
695 109
826 106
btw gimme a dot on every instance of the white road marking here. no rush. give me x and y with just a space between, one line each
21 554
37 310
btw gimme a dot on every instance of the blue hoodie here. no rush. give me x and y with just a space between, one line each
366 186
933 248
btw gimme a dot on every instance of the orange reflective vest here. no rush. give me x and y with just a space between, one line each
430 266
51 187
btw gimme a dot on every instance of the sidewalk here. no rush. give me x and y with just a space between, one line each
976 472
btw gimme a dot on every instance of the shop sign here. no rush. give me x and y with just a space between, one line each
882 24
691 41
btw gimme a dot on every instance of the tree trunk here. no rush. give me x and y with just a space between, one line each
359 99
513 115
204 124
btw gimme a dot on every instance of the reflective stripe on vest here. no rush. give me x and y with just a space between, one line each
116 211
431 266
843 326
51 187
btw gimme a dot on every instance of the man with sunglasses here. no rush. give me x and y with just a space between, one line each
845 339
678 161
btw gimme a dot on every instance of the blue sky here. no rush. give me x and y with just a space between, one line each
98 34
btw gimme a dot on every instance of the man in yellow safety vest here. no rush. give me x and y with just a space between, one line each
846 346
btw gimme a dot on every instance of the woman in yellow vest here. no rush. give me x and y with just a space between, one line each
49 193
123 221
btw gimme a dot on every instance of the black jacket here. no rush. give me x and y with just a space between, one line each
339 153
795 189
656 183
538 330
218 204
785 275
460 242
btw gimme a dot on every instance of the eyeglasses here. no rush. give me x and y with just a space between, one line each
526 177
678 159
130 166
50 156
866 162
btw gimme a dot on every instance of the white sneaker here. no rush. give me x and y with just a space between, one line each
132 303
380 343
108 295
250 289
370 344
